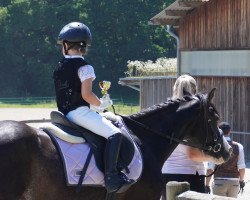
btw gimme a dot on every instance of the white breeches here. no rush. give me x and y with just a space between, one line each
92 121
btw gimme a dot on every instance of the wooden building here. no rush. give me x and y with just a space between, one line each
213 46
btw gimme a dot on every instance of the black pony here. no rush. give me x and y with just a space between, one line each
31 167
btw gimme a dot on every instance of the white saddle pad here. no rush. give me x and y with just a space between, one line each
74 157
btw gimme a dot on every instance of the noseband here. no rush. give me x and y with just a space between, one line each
207 122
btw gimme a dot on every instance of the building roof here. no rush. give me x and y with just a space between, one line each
173 13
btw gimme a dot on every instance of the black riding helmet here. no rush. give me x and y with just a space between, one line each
75 32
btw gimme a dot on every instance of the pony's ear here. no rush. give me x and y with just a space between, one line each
211 94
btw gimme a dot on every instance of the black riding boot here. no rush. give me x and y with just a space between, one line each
114 179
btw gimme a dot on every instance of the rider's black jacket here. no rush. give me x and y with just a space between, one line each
68 84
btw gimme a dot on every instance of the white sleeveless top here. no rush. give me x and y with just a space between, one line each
179 163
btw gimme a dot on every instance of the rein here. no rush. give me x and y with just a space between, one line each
215 169
166 136
216 148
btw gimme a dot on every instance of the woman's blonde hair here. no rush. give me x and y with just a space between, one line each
184 83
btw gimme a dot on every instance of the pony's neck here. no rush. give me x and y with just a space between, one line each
161 120
174 118
151 143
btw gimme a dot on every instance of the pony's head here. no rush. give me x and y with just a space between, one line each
201 129
191 120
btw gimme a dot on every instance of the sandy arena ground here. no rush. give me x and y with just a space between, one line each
20 114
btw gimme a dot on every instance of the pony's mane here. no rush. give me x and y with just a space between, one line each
169 104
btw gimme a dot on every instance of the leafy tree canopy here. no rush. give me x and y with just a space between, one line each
29 29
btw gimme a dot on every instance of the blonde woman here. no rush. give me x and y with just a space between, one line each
185 163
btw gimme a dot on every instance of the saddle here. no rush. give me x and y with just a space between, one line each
71 139
96 142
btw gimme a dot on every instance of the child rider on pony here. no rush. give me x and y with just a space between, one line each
73 85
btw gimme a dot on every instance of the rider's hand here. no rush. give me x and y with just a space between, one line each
110 116
105 102
207 189
96 108
242 185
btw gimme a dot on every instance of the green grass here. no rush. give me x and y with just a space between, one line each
37 105
125 109
120 108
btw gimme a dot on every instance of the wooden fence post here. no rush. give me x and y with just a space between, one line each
174 188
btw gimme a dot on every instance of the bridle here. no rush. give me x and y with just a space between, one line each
205 147
207 123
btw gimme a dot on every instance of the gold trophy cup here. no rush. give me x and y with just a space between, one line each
104 85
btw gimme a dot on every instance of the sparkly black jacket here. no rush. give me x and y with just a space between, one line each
68 85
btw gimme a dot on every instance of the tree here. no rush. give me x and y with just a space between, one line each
121 33
29 29
30 49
